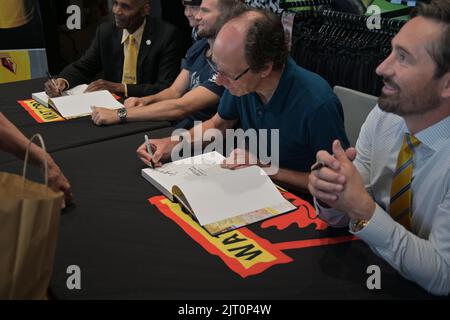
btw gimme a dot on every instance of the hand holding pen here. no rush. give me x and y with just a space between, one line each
54 87
155 152
149 151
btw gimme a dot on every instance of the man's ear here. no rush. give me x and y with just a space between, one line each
445 93
267 70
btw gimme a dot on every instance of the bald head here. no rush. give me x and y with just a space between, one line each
256 36
237 27
231 39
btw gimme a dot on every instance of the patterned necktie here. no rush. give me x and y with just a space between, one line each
401 197
130 62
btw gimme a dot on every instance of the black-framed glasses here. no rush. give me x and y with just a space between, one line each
223 74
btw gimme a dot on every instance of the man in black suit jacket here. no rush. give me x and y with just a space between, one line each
158 61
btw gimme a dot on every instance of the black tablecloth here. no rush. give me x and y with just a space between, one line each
65 134
126 248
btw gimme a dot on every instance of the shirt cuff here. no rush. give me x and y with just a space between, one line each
379 229
333 217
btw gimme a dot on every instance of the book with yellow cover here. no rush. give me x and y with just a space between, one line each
219 199
75 103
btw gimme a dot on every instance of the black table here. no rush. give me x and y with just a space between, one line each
65 134
126 248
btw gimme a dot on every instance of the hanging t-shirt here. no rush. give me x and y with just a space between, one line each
273 5
15 13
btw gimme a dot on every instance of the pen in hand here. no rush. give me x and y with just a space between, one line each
149 150
53 81
317 166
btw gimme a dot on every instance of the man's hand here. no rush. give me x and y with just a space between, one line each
339 184
101 84
239 158
161 149
58 182
103 116
54 91
134 102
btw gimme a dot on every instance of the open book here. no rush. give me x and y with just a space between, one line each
219 199
75 103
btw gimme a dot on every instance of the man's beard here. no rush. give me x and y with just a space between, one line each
208 34
404 105
389 103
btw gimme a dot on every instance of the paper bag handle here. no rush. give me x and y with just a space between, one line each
25 164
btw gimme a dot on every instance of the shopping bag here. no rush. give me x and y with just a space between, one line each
29 224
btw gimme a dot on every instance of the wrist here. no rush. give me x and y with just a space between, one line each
52 166
322 204
119 88
365 209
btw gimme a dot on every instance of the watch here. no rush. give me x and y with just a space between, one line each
358 225
122 114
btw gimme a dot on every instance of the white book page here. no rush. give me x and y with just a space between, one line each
185 170
231 194
80 105
75 91
42 97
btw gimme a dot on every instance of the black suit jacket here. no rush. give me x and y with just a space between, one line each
158 60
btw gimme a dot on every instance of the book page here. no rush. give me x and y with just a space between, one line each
184 170
42 97
235 193
76 90
80 105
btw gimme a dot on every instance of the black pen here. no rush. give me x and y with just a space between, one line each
53 81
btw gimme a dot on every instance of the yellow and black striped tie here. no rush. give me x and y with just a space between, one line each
401 197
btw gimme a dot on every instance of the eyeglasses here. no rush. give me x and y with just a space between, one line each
223 74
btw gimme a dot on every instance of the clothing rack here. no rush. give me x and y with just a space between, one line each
342 49
305 3
353 21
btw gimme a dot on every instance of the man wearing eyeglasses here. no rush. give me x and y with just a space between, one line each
266 90
194 95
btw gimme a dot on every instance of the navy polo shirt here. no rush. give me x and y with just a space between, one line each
303 107
200 74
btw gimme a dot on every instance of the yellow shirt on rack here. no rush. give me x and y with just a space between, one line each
15 13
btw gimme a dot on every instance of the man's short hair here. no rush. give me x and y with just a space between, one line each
439 11
229 9
266 42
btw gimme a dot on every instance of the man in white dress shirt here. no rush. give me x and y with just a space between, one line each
395 195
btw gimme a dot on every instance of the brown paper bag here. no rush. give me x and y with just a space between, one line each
29 222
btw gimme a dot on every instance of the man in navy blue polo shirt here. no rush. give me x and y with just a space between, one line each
303 108
266 90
